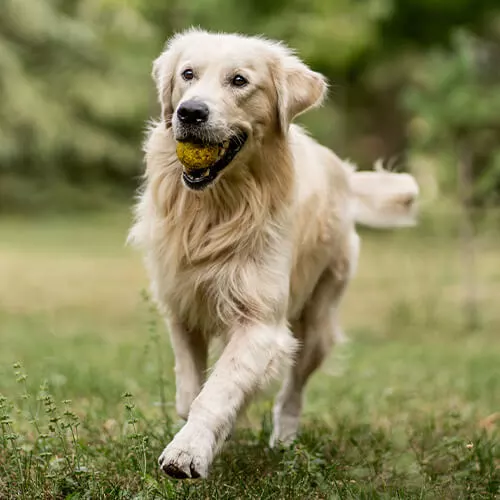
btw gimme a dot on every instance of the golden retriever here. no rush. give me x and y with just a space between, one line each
256 249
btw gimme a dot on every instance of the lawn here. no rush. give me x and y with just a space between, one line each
408 408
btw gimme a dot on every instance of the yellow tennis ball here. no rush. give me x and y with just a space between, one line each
194 156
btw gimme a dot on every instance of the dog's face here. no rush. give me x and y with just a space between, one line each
233 92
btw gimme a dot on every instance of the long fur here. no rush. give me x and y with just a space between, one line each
262 257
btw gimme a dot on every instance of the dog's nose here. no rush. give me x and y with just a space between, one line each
193 112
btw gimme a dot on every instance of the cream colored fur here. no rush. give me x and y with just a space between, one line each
262 257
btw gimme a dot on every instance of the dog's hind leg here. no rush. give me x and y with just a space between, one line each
190 351
316 329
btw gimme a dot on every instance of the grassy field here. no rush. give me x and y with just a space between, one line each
409 408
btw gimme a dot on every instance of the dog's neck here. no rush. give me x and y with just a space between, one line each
235 213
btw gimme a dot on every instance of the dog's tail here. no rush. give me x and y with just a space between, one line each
384 199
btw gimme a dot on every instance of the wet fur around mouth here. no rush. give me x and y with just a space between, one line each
200 178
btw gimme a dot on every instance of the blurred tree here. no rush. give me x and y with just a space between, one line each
455 102
455 98
74 80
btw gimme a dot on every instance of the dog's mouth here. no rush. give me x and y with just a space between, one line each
221 155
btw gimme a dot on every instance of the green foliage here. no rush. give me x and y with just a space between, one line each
75 87
74 84
457 91
455 99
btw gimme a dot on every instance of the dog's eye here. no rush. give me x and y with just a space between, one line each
239 81
188 74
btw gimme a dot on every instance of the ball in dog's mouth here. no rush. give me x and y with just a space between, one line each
202 162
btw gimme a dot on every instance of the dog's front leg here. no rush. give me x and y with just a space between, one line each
190 351
253 355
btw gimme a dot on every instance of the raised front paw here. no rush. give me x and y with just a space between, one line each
189 455
183 464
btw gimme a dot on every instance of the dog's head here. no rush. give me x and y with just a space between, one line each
232 92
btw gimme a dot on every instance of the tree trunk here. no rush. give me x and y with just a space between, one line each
465 185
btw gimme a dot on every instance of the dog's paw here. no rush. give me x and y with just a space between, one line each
285 431
189 455
277 442
183 464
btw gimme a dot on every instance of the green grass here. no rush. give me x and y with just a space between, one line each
409 408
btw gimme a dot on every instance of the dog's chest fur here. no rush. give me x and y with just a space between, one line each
214 294
245 251
215 259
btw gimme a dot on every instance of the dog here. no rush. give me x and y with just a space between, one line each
258 248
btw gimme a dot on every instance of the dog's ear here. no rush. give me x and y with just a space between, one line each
299 89
163 76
